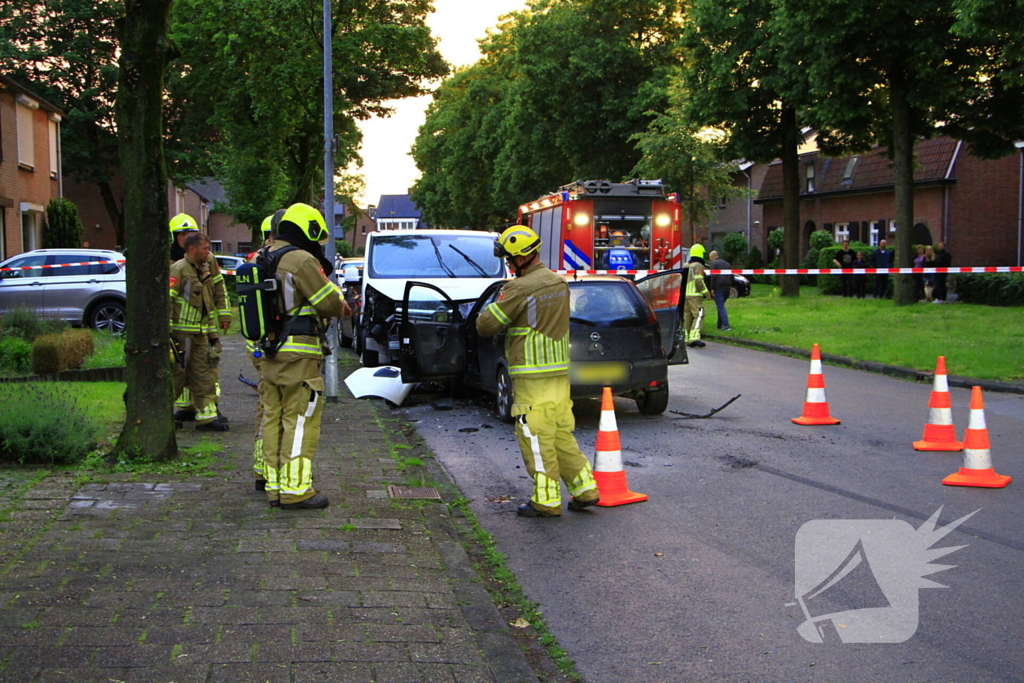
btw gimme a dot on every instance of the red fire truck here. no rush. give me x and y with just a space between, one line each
600 225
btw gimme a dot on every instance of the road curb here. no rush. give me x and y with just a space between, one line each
871 366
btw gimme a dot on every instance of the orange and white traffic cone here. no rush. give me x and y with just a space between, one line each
977 469
939 432
608 473
816 410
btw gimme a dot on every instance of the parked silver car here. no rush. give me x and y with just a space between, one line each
90 293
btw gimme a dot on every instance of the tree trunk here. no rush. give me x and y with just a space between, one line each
790 201
149 426
903 176
115 213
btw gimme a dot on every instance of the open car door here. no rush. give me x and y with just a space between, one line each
433 340
664 293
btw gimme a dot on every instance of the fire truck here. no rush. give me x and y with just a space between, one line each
600 225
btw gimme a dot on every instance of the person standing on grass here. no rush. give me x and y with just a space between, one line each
844 259
721 286
943 259
929 278
919 277
882 258
859 281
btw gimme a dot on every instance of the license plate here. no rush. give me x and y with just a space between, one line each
599 373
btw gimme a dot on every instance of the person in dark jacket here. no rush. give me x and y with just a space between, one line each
860 281
721 287
844 259
943 259
882 258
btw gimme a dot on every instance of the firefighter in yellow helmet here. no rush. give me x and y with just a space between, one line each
266 232
533 309
193 312
181 226
292 392
696 292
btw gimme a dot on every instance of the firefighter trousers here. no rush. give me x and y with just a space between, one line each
693 317
185 400
257 440
292 395
544 427
194 376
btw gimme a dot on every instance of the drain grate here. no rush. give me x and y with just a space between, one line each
419 492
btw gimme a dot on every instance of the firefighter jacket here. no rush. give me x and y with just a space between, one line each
534 308
307 295
695 283
199 297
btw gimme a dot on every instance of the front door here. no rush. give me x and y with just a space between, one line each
664 294
433 344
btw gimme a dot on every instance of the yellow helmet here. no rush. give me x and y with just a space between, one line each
697 250
518 240
265 228
183 222
309 220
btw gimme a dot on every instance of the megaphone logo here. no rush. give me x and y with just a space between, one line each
857 579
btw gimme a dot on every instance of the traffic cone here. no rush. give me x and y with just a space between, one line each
611 478
815 405
977 469
939 432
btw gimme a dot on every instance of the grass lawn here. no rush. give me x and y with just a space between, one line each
978 341
101 401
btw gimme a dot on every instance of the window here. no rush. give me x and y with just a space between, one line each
876 232
29 231
848 173
216 246
26 137
101 265
17 264
54 137
721 202
364 228
892 226
810 177
842 232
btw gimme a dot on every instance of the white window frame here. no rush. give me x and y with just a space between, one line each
53 125
25 122
841 232
876 232
216 246
809 178
33 213
892 226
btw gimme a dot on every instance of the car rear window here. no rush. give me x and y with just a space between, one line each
606 302
414 256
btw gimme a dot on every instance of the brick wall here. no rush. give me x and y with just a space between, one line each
983 206
222 227
734 216
98 226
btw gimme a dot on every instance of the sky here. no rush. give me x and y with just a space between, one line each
457 24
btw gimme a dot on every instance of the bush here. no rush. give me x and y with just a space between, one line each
829 284
63 225
42 424
65 351
15 356
992 289
27 325
754 259
734 247
821 239
810 261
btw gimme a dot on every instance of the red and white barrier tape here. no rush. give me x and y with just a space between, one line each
60 265
812 271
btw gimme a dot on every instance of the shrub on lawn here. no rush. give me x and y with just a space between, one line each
992 289
829 284
65 351
15 356
25 324
42 424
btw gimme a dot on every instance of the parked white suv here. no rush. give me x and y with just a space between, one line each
460 263
90 293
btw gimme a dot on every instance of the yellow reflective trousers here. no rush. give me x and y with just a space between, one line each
195 384
544 427
292 395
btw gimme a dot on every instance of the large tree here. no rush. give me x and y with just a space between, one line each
891 73
144 52
732 82
560 91
66 51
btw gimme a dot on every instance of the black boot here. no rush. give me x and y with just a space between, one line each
577 505
317 502
183 415
212 426
527 510
260 485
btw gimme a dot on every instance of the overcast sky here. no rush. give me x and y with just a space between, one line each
457 24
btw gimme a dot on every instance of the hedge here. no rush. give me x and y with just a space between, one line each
992 289
65 351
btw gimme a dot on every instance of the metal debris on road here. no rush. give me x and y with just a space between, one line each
692 416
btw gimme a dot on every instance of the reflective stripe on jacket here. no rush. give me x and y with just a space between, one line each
695 283
534 308
192 302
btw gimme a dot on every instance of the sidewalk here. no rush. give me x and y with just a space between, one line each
142 579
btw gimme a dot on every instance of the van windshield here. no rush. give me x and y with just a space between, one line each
434 256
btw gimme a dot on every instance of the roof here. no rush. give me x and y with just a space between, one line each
11 84
210 189
397 206
871 172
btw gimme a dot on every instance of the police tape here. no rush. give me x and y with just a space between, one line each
61 265
814 271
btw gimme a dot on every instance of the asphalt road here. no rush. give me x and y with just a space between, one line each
697 584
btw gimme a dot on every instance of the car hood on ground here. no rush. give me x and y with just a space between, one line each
458 288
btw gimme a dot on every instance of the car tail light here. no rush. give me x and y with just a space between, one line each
651 318
653 384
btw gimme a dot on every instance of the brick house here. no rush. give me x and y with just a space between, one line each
743 214
364 225
972 204
30 166
226 235
399 212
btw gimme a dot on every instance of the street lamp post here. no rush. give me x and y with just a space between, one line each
331 375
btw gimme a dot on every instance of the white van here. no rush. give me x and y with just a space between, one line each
461 263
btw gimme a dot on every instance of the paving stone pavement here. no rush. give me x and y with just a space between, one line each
160 579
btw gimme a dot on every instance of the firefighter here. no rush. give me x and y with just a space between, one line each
292 391
696 292
182 226
534 311
266 232
192 314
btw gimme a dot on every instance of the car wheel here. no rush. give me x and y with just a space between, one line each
108 316
734 293
652 402
503 398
